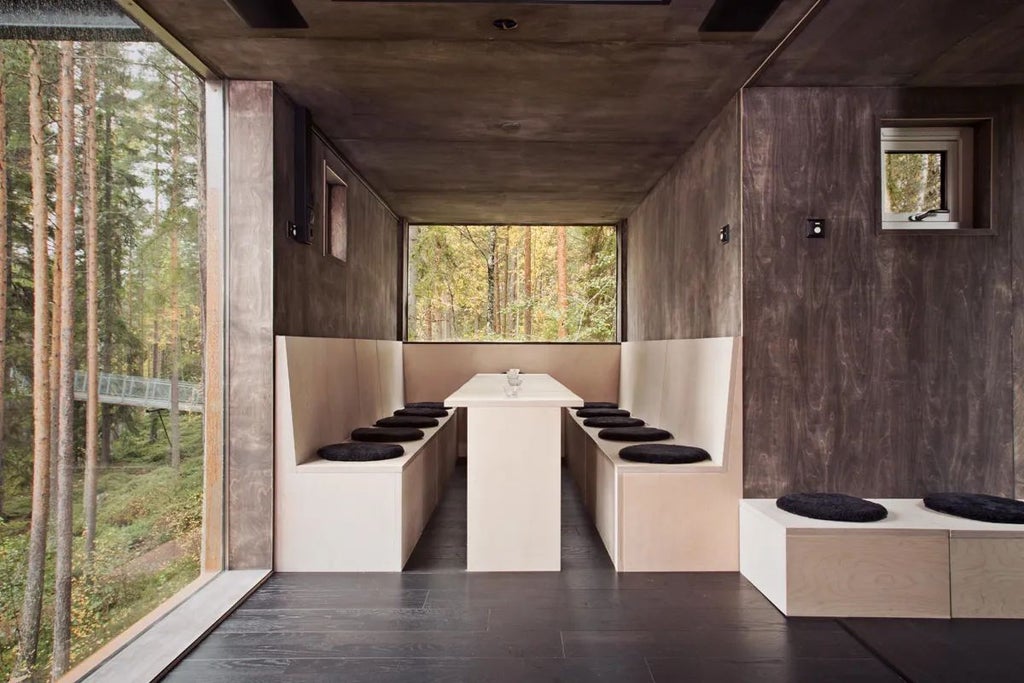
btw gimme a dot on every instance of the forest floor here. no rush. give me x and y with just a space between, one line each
147 545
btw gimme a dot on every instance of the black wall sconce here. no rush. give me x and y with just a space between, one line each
300 228
816 228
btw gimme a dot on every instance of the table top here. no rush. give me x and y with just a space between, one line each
488 390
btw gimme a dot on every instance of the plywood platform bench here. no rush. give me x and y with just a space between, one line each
348 516
655 517
914 563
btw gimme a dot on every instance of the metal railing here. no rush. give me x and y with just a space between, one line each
143 392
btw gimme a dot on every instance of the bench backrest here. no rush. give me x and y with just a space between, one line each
687 386
327 387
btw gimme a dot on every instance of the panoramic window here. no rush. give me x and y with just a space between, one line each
101 439
512 283
926 177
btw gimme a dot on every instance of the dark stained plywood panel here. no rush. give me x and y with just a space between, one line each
316 295
250 339
904 42
683 283
991 56
876 365
1018 291
675 22
441 113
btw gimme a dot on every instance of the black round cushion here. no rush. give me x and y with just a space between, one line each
600 404
977 506
835 507
613 422
422 412
360 452
386 434
406 421
602 412
634 434
437 405
664 454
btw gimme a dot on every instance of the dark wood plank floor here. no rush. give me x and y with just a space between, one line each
435 622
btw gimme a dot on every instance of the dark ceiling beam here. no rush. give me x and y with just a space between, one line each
268 13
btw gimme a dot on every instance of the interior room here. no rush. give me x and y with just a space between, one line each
563 340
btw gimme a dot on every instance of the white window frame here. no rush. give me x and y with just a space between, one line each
958 145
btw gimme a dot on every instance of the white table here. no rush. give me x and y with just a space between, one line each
514 472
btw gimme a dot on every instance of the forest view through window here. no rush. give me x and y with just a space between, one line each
101 471
512 283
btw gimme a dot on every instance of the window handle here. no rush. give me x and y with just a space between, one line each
918 217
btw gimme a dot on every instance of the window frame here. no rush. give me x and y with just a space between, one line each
956 145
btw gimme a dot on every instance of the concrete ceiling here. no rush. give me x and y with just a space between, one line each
905 42
570 118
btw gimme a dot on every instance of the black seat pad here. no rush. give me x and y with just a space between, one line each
422 412
634 434
437 405
664 454
613 422
602 412
386 434
977 506
360 452
600 404
835 507
406 421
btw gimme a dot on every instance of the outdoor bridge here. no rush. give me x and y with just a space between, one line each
142 392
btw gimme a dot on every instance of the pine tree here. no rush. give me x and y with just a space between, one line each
91 305
32 599
65 427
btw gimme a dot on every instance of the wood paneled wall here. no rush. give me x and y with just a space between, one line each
1018 290
434 371
682 282
317 295
250 342
875 365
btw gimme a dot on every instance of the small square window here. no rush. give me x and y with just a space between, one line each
335 215
927 175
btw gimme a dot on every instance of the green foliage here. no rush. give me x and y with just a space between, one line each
468 283
913 181
147 548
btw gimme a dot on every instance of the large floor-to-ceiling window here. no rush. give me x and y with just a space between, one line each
102 246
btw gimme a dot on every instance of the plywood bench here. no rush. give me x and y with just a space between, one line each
668 517
348 516
914 563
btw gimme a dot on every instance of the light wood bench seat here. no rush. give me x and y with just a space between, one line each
915 563
349 516
657 517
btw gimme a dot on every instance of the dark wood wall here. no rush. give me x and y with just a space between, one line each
1018 291
682 282
875 365
317 295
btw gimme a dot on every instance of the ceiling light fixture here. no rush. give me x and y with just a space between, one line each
506 24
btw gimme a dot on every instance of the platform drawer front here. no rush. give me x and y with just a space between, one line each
987 576
852 573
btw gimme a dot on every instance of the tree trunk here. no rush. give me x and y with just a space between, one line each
110 294
65 427
528 282
563 284
32 600
3 272
492 300
91 308
173 213
55 310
